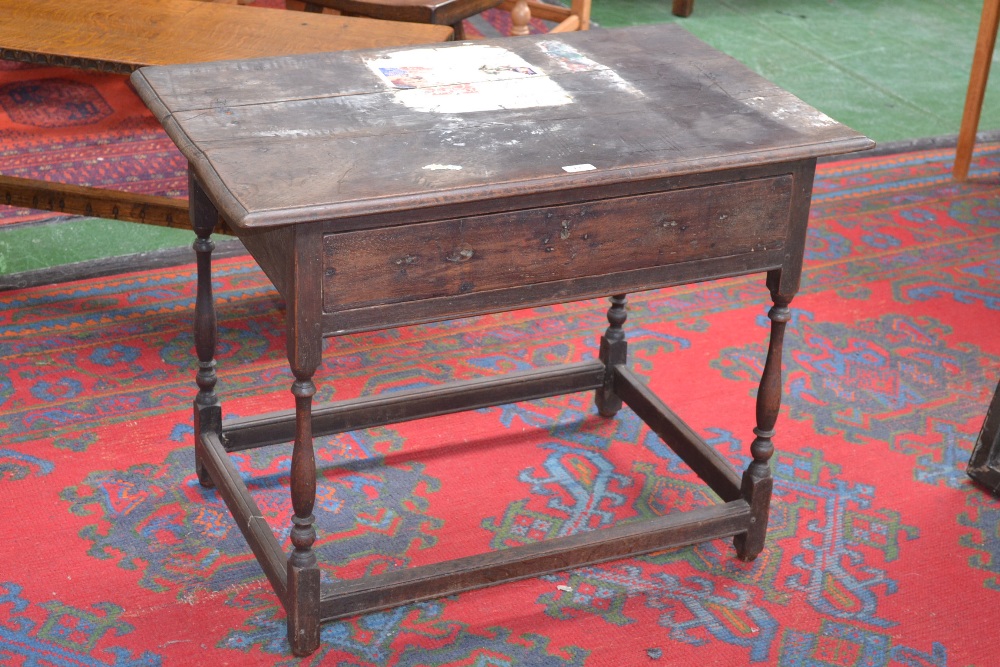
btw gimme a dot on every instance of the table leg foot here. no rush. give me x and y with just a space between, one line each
756 490
757 483
613 351
200 425
303 605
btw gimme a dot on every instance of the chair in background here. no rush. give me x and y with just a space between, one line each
454 12
978 77
567 19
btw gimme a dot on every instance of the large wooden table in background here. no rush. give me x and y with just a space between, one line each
121 37
391 187
975 94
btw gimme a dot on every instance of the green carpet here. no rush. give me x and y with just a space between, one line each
892 69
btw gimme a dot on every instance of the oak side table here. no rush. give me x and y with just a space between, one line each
389 187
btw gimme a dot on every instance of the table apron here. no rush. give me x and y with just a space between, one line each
398 275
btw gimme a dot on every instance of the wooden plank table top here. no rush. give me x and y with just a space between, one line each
344 135
123 36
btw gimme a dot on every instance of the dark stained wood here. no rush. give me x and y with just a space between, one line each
544 170
680 108
204 218
466 305
408 263
785 281
367 412
560 553
304 345
613 352
268 248
757 482
984 464
683 8
437 12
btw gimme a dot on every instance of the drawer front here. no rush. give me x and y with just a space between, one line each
490 252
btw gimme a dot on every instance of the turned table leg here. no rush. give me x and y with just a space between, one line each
303 569
757 482
613 351
204 217
305 351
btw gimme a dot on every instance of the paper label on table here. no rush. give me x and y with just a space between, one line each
574 168
466 78
568 58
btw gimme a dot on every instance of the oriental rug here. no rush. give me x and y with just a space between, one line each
880 551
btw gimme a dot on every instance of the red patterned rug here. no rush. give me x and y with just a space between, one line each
880 551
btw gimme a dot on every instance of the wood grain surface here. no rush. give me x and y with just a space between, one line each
322 137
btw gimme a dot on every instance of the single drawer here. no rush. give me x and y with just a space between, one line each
490 252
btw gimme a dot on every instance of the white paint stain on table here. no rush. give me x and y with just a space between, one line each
465 79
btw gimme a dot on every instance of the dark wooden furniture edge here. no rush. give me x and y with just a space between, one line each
553 555
75 62
233 210
369 411
984 464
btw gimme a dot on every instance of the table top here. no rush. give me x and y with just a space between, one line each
336 136
123 36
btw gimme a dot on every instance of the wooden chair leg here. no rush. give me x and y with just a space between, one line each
520 15
977 88
683 8
581 8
